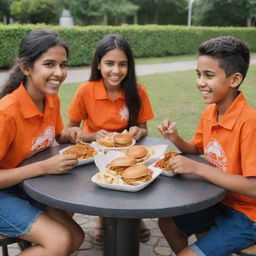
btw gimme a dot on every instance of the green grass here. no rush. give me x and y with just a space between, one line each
155 60
173 96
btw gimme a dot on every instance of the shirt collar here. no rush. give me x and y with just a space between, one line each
101 93
29 109
229 118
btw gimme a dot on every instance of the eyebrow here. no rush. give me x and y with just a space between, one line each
52 60
205 71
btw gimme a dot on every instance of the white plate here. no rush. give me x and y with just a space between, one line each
104 148
158 152
81 161
128 188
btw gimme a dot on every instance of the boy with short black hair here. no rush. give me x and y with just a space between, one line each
226 135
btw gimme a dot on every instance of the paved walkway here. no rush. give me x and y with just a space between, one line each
82 74
157 245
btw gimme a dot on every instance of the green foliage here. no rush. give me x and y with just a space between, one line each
146 41
94 11
4 10
31 11
162 11
224 12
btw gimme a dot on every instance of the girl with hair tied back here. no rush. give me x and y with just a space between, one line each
30 121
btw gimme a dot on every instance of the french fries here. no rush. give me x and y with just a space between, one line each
109 178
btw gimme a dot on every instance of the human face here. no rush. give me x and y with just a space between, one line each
47 73
212 82
114 68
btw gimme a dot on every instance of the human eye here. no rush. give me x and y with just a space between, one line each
123 64
109 63
209 75
64 65
48 64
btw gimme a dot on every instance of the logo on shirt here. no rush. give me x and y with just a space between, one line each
44 140
124 113
216 155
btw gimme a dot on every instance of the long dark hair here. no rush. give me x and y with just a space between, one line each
32 46
128 85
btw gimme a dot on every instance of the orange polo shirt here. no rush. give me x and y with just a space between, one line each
24 129
230 145
91 104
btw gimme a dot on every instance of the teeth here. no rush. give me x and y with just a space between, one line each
54 82
205 92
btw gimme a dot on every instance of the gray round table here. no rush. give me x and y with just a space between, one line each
166 196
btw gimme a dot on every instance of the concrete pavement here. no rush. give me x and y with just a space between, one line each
82 74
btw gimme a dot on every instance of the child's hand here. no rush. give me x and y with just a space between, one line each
182 164
168 130
135 132
59 164
101 134
75 134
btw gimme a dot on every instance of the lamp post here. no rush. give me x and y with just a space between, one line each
190 4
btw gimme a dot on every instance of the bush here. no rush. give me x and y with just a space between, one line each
146 41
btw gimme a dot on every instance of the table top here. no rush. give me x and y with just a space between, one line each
166 196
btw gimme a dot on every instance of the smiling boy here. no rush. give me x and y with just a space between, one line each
226 135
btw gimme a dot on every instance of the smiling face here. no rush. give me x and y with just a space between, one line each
47 73
114 68
213 84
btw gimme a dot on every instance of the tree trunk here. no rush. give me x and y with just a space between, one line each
248 21
105 19
135 18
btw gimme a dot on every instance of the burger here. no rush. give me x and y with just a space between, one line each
118 165
107 141
137 175
122 140
140 153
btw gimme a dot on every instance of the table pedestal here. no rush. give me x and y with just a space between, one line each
121 237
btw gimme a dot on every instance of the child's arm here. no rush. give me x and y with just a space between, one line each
57 164
139 131
169 131
76 134
234 183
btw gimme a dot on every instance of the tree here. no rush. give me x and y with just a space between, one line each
35 11
222 12
112 12
119 10
4 10
162 11
251 17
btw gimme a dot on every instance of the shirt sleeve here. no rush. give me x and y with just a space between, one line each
247 147
146 111
197 139
59 123
7 131
77 110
